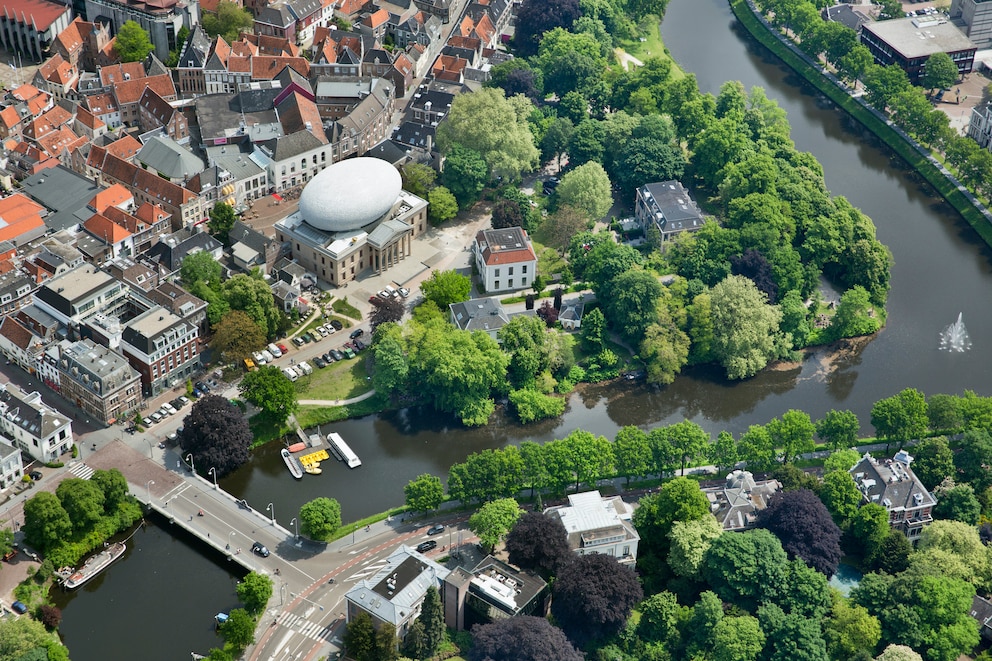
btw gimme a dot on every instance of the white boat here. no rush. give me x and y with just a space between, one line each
95 565
342 451
292 463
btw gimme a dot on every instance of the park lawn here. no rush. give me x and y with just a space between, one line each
311 416
341 306
341 380
549 260
652 46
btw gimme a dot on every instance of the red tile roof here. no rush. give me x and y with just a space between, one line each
125 147
267 67
503 255
114 196
151 213
221 49
351 7
101 104
119 73
376 19
39 13
9 117
27 92
103 228
20 214
126 220
14 331
56 141
138 178
130 91
88 119
70 39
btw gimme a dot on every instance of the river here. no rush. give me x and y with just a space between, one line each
941 268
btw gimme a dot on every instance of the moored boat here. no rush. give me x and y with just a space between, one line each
342 451
292 463
297 447
312 469
94 565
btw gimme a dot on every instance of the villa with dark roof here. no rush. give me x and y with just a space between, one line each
736 504
479 314
667 205
892 484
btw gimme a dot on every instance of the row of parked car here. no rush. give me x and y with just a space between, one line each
318 333
169 408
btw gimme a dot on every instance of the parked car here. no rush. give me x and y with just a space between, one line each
358 332
169 408
327 358
384 294
336 355
204 388
348 352
147 422
391 291
156 416
424 547
315 336
306 338
298 341
35 475
19 607
197 393
336 325
259 358
259 549
183 399
290 373
329 328
304 368
319 362
436 529
274 350
323 331
359 345
404 292
282 347
268 357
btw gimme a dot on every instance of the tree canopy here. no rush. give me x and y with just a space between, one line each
320 518
588 189
424 493
593 596
805 528
522 637
216 433
446 287
228 21
270 390
132 43
493 520
538 542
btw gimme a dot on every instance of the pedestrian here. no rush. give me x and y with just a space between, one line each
191 517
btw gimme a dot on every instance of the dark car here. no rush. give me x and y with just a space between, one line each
202 387
424 547
319 362
306 338
197 393
359 345
35 475
337 355
327 358
358 332
259 549
436 529
19 607
336 325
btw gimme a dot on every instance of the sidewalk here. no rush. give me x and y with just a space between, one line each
337 402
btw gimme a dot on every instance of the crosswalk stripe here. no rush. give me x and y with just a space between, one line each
82 471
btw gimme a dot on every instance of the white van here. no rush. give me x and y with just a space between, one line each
304 367
274 350
267 356
259 358
290 373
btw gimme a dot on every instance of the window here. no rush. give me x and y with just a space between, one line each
525 268
496 285
510 284
511 271
523 282
496 273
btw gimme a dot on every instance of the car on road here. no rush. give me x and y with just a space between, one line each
424 547
35 475
358 332
173 437
19 607
282 347
336 325
259 549
436 529
404 292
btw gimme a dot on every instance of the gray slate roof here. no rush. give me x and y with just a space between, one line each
168 157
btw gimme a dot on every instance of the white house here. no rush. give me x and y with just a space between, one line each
35 428
599 525
11 467
505 259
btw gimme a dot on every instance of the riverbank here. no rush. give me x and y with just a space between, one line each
926 165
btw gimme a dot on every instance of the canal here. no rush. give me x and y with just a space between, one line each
941 268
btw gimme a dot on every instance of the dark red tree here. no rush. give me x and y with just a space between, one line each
216 433
593 597
548 313
507 213
538 542
517 638
535 17
385 310
51 616
752 264
804 526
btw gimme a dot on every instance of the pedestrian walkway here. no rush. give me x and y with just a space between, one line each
305 627
81 470
337 402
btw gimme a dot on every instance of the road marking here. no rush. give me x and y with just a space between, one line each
82 471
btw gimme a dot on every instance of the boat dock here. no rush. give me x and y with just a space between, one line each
342 451
314 458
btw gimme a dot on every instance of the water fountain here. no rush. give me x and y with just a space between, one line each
955 337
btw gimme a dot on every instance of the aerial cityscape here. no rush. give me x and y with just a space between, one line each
495 331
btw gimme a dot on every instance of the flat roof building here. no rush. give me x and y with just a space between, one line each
599 525
163 347
80 293
98 380
908 42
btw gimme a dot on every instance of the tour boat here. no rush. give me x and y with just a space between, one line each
342 451
95 565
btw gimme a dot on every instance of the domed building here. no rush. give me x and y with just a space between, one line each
353 216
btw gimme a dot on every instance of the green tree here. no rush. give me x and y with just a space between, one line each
132 43
239 630
562 225
664 349
843 460
901 417
251 295
746 569
229 21
957 503
737 639
689 541
6 540
526 339
838 429
493 126
418 178
745 327
841 496
661 619
359 638
689 441
679 499
465 174
113 484
446 287
793 433
898 652
933 461
974 458
555 141
443 205
82 500
755 448
254 591
593 330
632 453
855 315
237 336
870 528
424 493
588 189
24 638
221 221
200 266
631 303
432 617
389 358
944 413
320 518
270 390
850 629
493 520
724 453
939 72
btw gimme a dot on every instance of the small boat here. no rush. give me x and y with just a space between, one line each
298 447
95 565
312 469
342 451
220 619
292 463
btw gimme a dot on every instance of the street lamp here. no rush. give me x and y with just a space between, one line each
214 472
149 487
229 538
282 590
271 509
294 521
189 458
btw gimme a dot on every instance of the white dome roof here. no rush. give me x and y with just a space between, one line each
350 194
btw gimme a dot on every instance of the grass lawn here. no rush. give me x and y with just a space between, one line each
549 260
652 46
342 306
341 380
310 416
263 429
